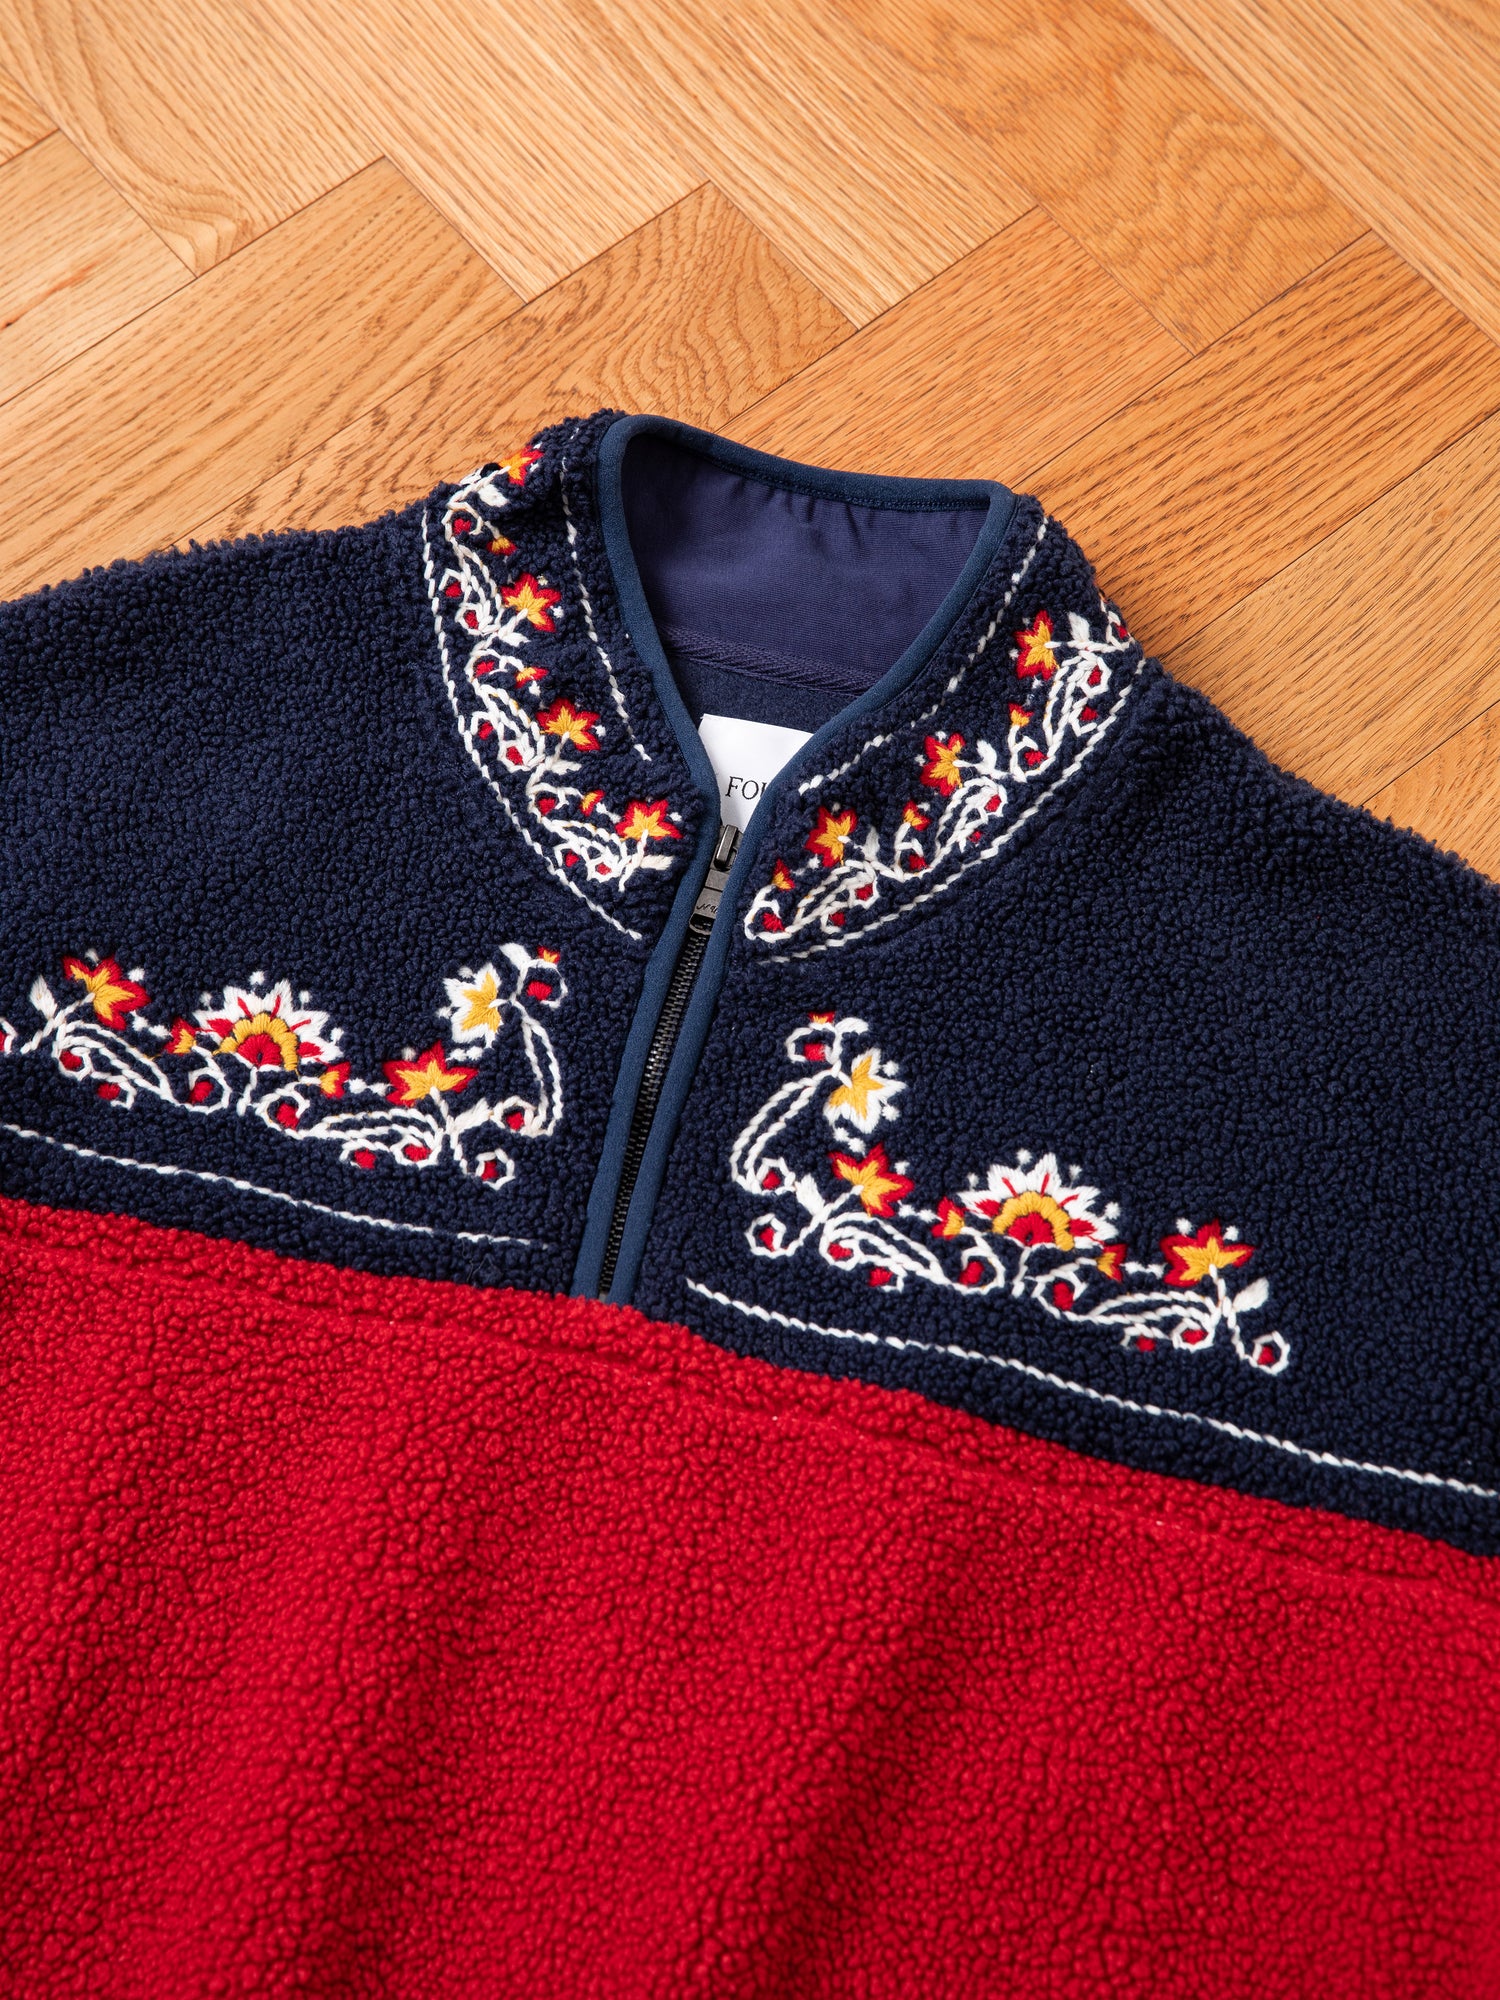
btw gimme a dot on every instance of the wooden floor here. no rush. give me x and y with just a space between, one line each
1218 279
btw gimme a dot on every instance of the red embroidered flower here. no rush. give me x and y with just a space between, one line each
830 836
873 1179
950 1218
113 997
572 725
941 771
530 596
647 819
427 1075
519 464
1036 655
1192 1257
182 1040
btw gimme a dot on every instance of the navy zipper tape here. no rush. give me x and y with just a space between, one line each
861 488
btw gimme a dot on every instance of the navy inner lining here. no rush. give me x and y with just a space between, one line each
774 602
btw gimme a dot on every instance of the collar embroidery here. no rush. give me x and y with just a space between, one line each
1026 1229
950 797
264 1051
547 725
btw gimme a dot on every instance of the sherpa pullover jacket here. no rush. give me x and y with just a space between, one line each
905 1405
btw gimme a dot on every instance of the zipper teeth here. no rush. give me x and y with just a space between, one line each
653 1076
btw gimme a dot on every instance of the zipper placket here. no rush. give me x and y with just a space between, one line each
664 1040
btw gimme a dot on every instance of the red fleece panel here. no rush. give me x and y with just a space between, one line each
369 1636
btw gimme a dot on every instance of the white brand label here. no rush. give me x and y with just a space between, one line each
746 756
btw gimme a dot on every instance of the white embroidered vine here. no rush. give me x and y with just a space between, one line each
964 796
533 742
1026 1228
260 1050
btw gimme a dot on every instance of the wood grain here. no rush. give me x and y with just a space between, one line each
1271 439
988 371
1372 647
75 261
22 123
1394 104
197 117
830 146
694 316
211 391
1186 201
1453 796
510 123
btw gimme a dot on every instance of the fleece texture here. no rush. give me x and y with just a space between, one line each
372 1636
992 1486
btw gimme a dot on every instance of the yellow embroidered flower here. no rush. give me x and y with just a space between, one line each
1034 1218
873 1178
647 819
427 1075
112 996
1193 1257
865 1084
572 725
267 1027
941 770
1036 655
476 1008
530 596
830 836
519 464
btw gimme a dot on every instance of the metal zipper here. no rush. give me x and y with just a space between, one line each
664 1041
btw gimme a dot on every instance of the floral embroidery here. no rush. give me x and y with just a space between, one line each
963 796
1028 1228
533 601
112 996
260 1049
534 742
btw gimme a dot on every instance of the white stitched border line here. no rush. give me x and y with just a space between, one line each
1035 1374
993 627
463 729
588 618
984 854
827 777
168 1169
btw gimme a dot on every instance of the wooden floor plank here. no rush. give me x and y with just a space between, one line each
1188 202
76 261
213 390
510 123
1271 439
1376 645
187 108
694 316
1453 795
22 123
1394 103
990 370
829 145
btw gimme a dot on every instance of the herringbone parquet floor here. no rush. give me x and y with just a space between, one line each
1219 279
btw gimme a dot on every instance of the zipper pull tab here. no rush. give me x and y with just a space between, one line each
707 906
